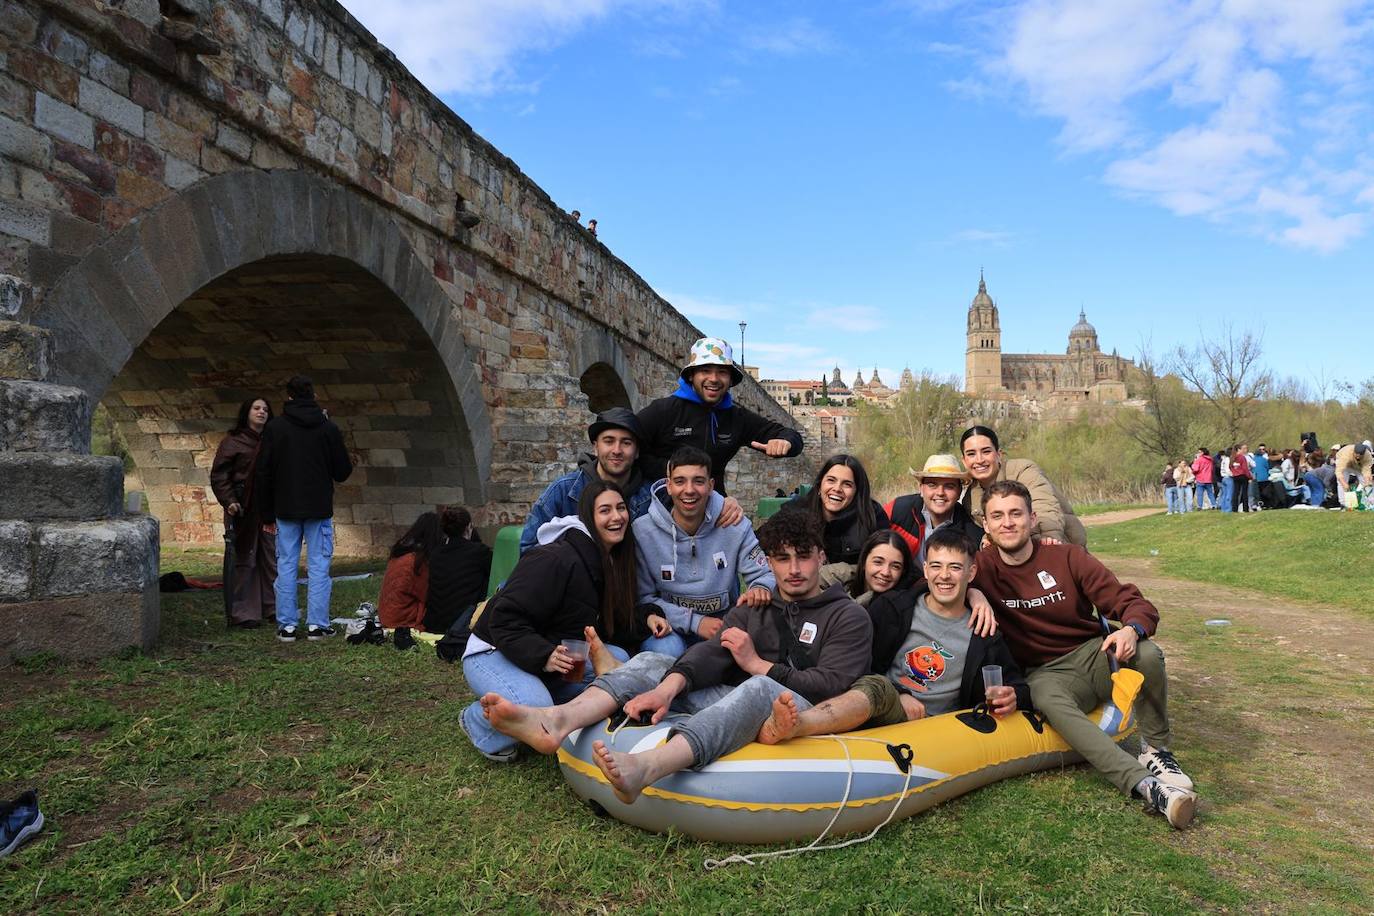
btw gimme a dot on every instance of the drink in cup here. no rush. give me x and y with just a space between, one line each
992 683
577 651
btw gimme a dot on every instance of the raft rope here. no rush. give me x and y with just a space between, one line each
754 858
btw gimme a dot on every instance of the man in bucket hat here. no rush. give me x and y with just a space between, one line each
615 439
915 515
702 413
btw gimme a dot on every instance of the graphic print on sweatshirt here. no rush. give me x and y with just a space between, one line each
924 666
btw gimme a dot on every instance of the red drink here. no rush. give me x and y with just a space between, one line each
578 671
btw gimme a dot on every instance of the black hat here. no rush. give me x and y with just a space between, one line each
615 418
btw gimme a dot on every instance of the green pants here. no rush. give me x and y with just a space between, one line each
1071 685
883 699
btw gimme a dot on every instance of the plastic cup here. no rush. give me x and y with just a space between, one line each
577 650
992 676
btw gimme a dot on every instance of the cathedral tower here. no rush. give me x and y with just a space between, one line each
983 355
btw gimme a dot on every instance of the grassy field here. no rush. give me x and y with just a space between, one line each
1318 556
227 772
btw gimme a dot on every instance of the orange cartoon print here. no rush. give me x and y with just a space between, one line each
923 665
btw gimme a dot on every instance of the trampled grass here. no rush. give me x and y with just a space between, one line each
226 772
1319 555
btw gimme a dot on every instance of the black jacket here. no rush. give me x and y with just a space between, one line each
552 594
891 613
458 574
844 536
904 513
668 423
302 457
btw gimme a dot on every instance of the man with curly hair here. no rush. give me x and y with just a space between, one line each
810 641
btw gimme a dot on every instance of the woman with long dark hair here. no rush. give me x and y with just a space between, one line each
254 569
405 585
986 464
580 577
884 563
840 498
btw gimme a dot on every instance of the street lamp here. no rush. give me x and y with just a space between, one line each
742 326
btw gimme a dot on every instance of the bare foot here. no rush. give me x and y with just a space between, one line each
783 722
523 723
601 657
626 772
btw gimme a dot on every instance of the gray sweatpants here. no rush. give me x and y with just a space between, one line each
723 719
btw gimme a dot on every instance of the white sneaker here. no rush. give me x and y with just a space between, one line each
1177 805
1164 767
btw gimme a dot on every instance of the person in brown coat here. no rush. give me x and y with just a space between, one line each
231 480
405 585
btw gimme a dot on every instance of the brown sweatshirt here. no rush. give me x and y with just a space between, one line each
1045 605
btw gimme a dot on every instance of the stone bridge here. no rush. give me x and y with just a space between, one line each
199 199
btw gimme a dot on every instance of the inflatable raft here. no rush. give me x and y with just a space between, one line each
793 791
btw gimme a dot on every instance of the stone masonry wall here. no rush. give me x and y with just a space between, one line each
193 210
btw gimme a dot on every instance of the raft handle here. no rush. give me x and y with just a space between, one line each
1036 720
978 719
902 755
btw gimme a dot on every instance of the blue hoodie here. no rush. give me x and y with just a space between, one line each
693 576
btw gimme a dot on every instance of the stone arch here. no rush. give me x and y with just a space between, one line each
603 372
107 305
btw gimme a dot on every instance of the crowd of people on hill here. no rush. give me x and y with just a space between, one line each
1240 480
642 586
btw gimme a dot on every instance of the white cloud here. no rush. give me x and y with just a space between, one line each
796 36
993 237
1313 227
1205 107
709 309
472 47
851 319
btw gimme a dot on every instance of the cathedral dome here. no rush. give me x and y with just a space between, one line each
982 299
1082 329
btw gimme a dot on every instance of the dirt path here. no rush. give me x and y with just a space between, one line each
1120 515
1287 691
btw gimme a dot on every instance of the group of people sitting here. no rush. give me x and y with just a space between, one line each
1239 480
649 591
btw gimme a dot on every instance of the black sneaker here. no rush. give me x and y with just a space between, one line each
315 634
287 634
1164 767
1177 805
19 820
401 636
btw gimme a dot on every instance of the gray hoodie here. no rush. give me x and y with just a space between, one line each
690 576
831 626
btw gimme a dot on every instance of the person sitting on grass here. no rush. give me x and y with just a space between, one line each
405 584
458 574
840 499
581 577
936 505
1051 601
809 641
987 464
690 567
927 658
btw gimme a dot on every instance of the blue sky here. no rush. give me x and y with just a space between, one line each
836 174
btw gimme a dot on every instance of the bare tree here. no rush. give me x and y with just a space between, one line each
1228 374
1161 428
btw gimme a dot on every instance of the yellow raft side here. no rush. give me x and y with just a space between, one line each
791 791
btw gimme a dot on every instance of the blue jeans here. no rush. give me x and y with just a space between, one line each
723 719
673 645
1171 499
1185 499
492 672
318 537
1205 492
1227 487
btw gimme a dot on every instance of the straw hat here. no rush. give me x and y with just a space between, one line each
946 466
